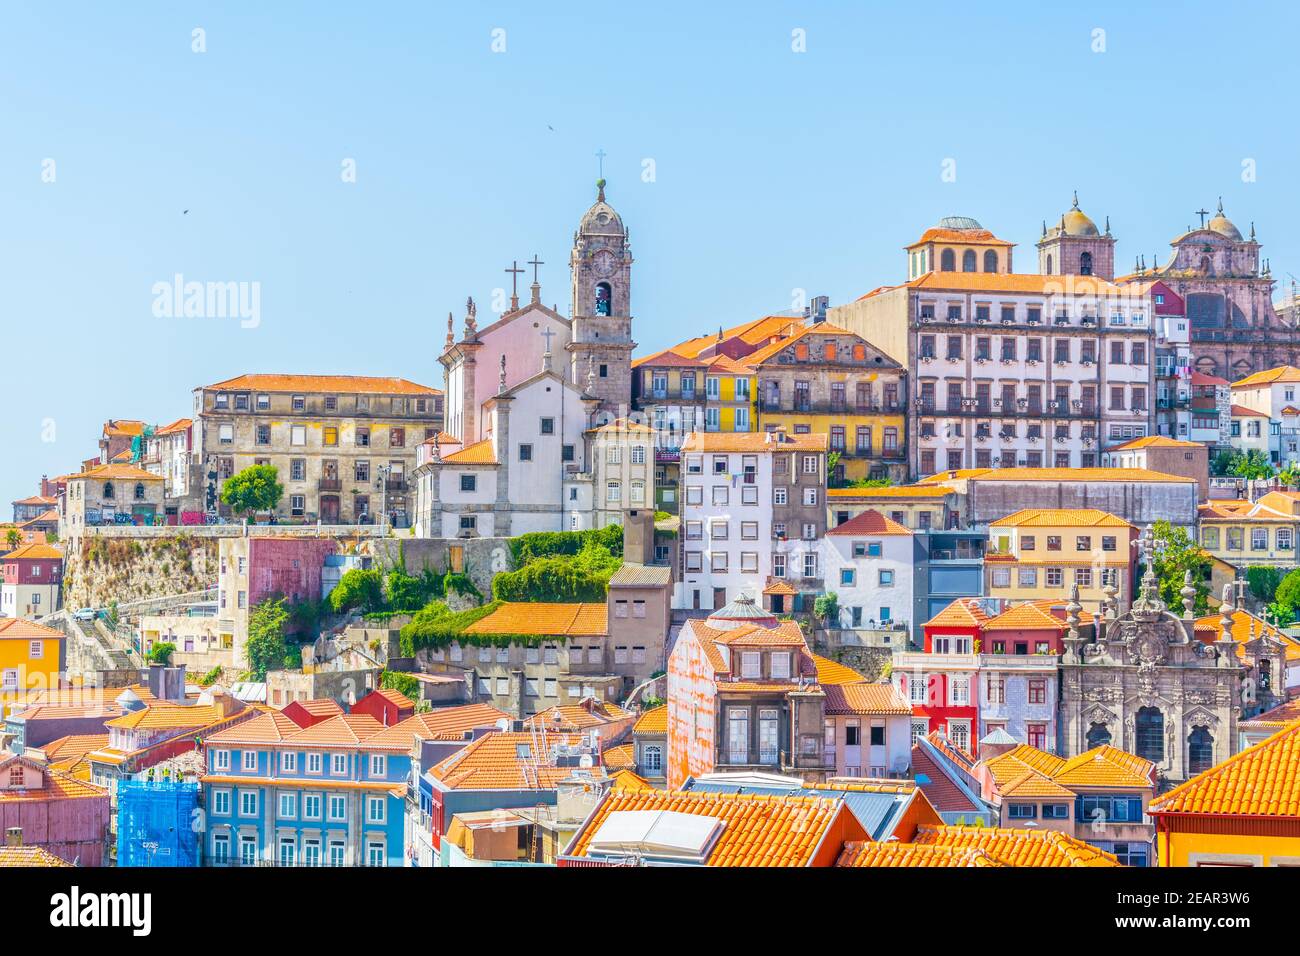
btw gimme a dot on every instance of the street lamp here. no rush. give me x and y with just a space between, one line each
381 485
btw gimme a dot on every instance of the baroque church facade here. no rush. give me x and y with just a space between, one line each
522 393
1163 686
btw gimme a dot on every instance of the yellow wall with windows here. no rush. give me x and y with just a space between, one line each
1216 536
1206 849
730 399
854 467
35 672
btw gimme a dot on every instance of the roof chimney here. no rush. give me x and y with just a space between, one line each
14 836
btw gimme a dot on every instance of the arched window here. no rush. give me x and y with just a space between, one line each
948 261
1098 735
990 261
613 492
1150 732
638 491
968 261
1049 266
1200 751
108 489
1085 263
139 491
603 299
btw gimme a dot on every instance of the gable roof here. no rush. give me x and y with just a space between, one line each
758 830
864 698
505 761
1017 847
1027 615
479 453
963 612
1060 518
652 721
1155 441
870 522
1272 376
1261 781
444 723
36 551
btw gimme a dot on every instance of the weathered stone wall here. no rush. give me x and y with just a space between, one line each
101 568
868 661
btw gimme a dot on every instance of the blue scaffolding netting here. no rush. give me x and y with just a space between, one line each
156 823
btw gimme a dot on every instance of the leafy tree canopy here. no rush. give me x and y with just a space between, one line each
256 488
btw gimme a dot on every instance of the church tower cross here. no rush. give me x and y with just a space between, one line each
515 273
1202 213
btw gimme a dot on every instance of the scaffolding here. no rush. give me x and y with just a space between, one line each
156 823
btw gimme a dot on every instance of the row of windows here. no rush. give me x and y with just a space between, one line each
720 563
292 805
1053 577
400 405
595 653
1008 350
362 436
721 495
1087 315
1234 539
287 849
984 402
313 762
985 458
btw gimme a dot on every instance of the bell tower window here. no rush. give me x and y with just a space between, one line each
1085 263
603 298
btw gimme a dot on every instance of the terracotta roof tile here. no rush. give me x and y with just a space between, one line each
19 628
892 491
963 612
1261 781
574 718
864 698
758 830
34 552
29 856
622 757
869 522
345 730
479 453
1060 518
445 723
1155 441
347 384
504 761
266 728
543 620
1272 376
652 721
862 853
1017 847
115 472
831 672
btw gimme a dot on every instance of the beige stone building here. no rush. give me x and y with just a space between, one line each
344 445
623 470
120 494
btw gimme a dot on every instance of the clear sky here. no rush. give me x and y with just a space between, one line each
774 170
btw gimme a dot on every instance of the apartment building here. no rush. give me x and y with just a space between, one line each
622 469
753 513
1010 369
343 445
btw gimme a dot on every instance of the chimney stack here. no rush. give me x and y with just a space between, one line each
14 836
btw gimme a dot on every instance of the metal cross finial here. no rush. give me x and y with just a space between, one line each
1202 213
535 262
515 272
600 156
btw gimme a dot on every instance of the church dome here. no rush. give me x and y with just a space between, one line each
958 222
1076 223
601 219
1223 225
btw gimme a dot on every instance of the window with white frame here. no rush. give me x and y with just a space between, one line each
338 806
751 665
311 806
287 808
375 809
378 765
959 691
221 803
810 564
248 803
249 761
221 760
338 764
288 761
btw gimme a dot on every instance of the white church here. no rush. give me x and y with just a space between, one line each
521 395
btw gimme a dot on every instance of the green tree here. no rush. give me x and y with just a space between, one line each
162 654
256 488
13 538
1221 464
1290 476
267 648
827 607
1252 464
1263 582
362 588
1176 554
1287 594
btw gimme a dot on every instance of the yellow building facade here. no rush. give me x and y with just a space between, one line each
1039 553
31 658
1245 533
1242 812
919 507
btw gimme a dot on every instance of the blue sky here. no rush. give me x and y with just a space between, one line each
774 170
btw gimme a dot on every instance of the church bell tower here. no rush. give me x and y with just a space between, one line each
600 350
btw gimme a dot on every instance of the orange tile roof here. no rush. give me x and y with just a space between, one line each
320 706
180 425
1060 518
1245 627
833 672
19 628
504 761
124 426
863 853
74 745
116 472
479 453
1107 766
754 442
395 697
1261 781
37 500
779 587
1241 411
963 612
666 359
652 721
1016 283
622 757
773 349
969 237
1253 511
864 698
35 551
1028 771
1281 716
892 491
58 786
1272 376
785 634
1017 847
870 522
758 831
1155 441
161 715
445 723
626 779
266 728
543 620
621 425
754 332
344 730
1057 474
29 856
361 384
573 718
1027 615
